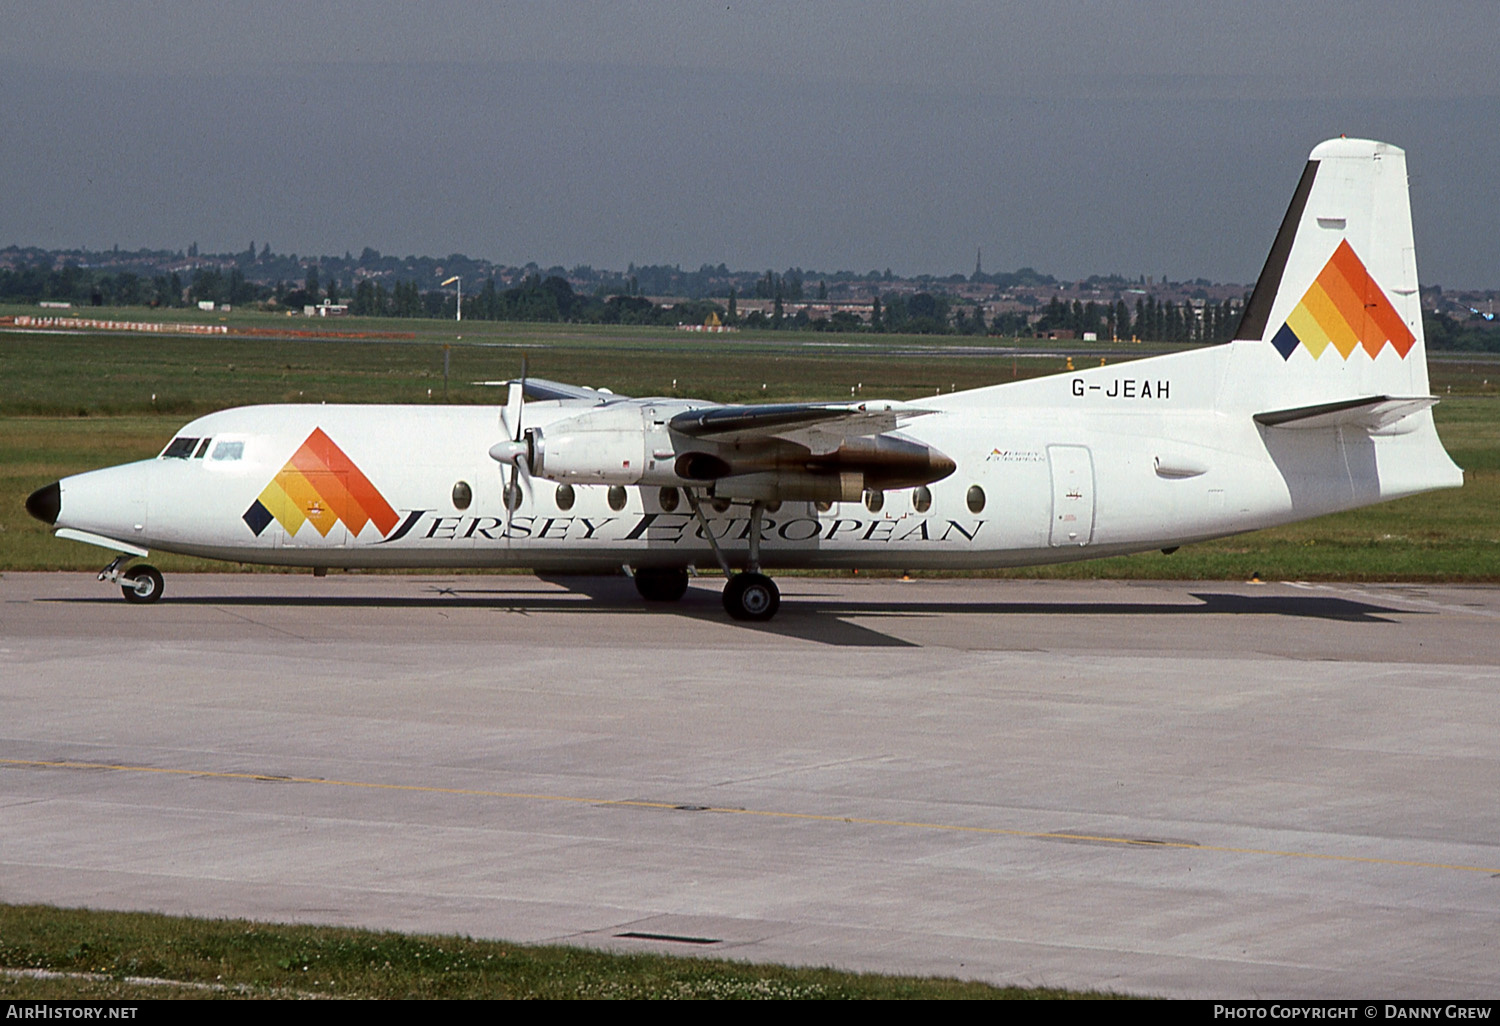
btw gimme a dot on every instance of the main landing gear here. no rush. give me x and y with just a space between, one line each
140 584
749 595
661 585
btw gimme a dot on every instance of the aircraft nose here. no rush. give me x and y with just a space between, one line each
46 503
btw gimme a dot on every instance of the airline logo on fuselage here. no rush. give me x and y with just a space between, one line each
1345 309
320 485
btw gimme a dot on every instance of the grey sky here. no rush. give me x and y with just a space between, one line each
1146 138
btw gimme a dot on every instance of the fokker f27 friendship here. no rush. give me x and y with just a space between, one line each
1320 404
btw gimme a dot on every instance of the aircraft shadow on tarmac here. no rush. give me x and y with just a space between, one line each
822 618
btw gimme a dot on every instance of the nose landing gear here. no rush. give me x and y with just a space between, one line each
141 584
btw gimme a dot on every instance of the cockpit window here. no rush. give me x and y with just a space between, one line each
229 451
180 449
202 448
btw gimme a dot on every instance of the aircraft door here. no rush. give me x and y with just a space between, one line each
1072 494
319 504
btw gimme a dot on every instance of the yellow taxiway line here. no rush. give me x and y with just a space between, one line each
1134 842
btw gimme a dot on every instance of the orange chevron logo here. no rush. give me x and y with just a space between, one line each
321 486
1344 309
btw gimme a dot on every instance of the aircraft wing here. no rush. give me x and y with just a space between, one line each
541 388
820 426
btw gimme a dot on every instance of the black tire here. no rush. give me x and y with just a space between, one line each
753 597
145 584
661 585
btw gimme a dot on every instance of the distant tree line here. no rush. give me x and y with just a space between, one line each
552 298
535 299
82 287
1468 335
1163 321
623 299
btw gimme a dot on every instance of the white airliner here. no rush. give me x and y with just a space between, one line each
1321 404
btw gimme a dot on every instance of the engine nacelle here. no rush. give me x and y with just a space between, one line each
625 444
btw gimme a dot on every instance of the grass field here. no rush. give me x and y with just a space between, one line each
75 402
106 955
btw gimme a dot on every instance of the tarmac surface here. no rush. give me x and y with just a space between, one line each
1180 789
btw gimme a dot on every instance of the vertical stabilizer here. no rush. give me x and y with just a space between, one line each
1337 306
1329 359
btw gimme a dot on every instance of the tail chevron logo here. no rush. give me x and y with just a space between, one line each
1345 309
320 485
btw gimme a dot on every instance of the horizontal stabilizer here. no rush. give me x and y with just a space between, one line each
1371 413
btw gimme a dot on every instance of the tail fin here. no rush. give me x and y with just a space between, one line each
1329 358
1337 307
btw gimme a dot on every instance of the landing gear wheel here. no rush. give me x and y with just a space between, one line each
144 584
661 585
751 596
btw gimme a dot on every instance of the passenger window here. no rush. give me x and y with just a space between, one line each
874 500
565 497
463 495
921 499
228 451
616 496
180 449
975 499
202 448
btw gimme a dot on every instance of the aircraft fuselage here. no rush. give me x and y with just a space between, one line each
1104 461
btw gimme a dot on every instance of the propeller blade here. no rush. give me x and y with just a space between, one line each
515 451
518 487
514 401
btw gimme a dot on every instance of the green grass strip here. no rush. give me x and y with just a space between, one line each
52 953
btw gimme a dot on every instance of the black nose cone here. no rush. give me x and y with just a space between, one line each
45 503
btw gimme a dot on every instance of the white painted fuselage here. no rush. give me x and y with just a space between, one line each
1116 459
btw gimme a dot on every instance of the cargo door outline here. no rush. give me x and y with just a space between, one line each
321 504
1072 494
